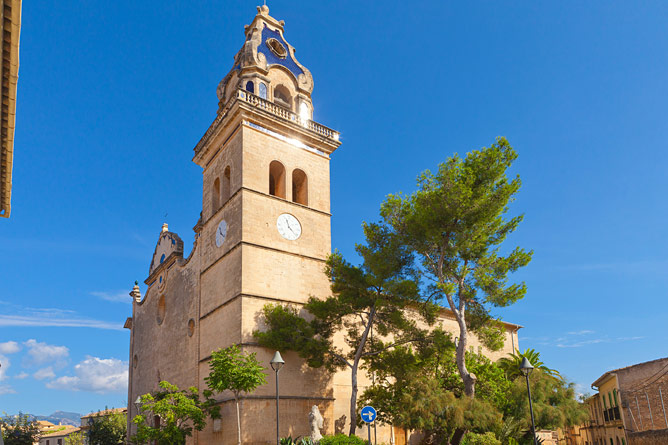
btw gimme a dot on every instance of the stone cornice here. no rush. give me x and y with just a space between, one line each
244 105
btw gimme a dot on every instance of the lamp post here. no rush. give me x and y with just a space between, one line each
276 364
525 369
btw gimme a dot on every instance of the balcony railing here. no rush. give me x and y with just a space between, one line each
285 114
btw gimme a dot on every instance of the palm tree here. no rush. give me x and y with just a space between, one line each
511 364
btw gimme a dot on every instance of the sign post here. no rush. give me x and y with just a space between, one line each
368 414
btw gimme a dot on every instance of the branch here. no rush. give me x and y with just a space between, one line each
365 335
359 314
410 340
460 281
342 358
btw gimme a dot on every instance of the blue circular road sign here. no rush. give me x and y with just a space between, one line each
368 414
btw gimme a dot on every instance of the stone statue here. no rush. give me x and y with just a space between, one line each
316 421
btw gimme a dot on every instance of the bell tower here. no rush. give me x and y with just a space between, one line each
264 233
262 238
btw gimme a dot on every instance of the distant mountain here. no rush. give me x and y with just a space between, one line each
62 418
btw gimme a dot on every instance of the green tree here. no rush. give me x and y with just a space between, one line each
233 370
511 364
366 298
19 430
77 438
178 412
107 428
554 402
419 387
454 223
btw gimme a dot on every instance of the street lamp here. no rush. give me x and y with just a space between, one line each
525 369
276 364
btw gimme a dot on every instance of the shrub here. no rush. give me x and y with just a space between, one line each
480 439
290 441
342 439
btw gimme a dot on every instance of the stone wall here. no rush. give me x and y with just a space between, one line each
644 395
648 437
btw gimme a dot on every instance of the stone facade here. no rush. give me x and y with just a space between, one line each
263 237
9 67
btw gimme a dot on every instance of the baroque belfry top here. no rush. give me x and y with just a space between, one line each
266 48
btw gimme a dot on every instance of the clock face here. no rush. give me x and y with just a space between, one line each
288 226
221 233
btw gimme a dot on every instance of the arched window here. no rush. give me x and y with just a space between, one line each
299 187
162 308
226 185
277 179
250 86
215 195
262 90
282 97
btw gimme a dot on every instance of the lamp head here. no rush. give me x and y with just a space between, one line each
525 366
137 403
277 362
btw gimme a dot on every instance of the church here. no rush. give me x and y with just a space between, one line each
263 236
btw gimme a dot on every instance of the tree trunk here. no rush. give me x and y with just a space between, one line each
355 365
468 378
353 400
457 436
236 399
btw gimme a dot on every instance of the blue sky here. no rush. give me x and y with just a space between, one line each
112 97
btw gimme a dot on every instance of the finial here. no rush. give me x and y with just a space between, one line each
164 227
264 9
136 293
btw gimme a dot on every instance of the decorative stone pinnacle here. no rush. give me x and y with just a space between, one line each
136 293
164 227
264 9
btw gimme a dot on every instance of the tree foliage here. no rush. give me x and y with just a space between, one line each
178 412
418 387
368 304
511 365
480 439
455 223
554 402
77 438
236 371
19 430
109 429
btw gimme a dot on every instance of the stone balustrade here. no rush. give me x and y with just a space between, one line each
286 114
